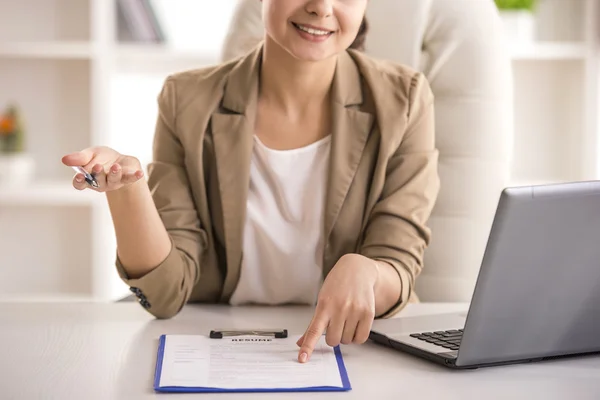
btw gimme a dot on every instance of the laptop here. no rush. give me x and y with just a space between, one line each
537 294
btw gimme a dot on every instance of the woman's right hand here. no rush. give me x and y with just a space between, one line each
111 169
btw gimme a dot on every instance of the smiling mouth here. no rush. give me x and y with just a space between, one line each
312 31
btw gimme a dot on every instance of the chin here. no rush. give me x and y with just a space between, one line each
312 56
311 53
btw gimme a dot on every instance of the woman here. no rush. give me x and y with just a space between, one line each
303 172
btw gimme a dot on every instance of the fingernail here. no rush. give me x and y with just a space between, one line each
303 357
78 180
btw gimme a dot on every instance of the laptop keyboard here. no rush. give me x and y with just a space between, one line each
447 339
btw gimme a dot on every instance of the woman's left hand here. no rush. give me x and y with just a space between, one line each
345 307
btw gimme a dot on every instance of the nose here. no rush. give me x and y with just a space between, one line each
320 8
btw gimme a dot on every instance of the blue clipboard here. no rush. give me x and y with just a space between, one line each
180 389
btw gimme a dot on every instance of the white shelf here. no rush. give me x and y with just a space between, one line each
47 50
47 194
160 53
152 52
549 51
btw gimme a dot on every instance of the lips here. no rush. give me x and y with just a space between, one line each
312 30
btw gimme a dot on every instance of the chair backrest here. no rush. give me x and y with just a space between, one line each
459 46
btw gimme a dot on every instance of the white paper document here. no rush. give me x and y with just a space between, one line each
246 362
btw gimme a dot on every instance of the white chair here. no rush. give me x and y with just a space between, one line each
459 46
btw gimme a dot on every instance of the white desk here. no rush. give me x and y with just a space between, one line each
108 351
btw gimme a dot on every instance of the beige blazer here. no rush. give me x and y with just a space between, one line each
383 178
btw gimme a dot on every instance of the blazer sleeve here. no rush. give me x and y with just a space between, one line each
397 231
165 290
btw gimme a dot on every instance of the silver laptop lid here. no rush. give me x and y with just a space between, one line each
538 291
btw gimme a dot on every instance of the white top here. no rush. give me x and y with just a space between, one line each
283 234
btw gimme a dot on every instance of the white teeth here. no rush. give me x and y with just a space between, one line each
313 31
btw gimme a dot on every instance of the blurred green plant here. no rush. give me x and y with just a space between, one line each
515 4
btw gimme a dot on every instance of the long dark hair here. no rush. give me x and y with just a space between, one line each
361 36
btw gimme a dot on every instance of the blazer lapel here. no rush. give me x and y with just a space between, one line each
232 130
350 132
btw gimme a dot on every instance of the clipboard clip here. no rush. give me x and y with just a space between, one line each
277 334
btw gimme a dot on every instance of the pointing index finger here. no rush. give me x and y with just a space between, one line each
311 337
